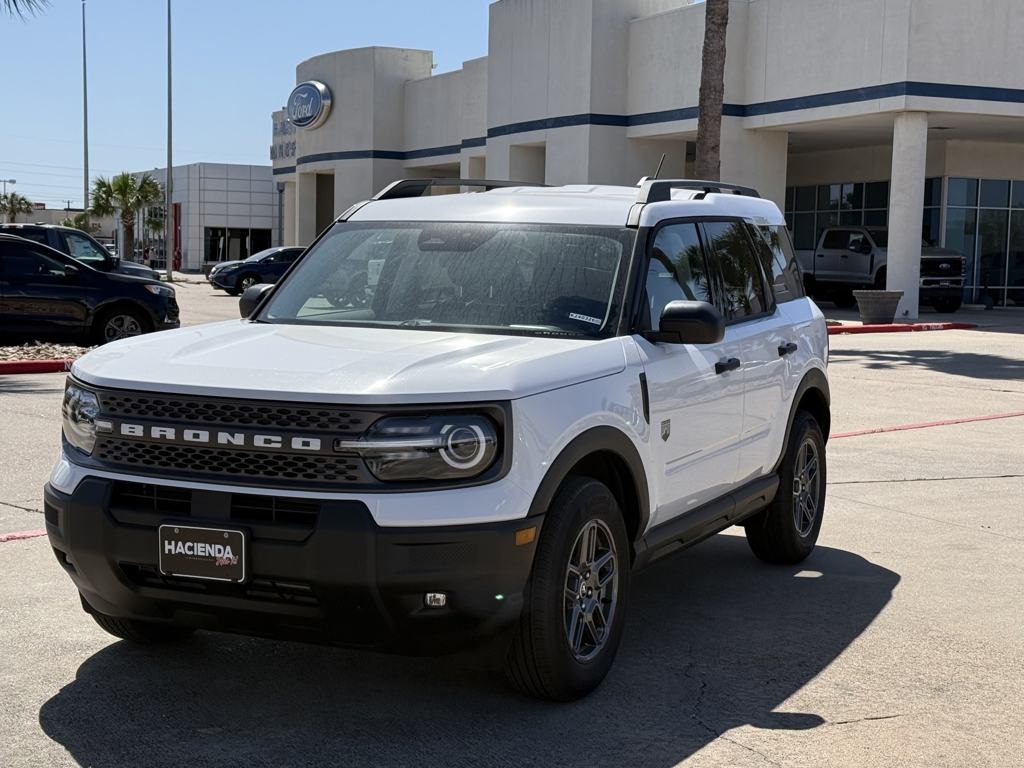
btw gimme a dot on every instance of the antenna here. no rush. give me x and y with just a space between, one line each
660 163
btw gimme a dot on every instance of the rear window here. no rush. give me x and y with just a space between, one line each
775 250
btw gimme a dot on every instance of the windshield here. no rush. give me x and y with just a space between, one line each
556 280
260 256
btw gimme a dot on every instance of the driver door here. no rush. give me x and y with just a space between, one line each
696 413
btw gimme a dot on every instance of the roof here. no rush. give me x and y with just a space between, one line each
594 205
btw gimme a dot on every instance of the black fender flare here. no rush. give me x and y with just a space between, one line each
814 379
603 439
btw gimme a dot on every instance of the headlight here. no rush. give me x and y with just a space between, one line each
159 290
80 425
442 447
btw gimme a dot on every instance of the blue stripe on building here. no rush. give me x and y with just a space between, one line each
757 109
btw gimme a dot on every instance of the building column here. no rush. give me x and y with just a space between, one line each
755 158
906 209
288 215
305 208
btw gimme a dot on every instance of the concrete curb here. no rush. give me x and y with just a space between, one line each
35 366
836 330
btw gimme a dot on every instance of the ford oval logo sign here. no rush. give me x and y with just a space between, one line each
309 104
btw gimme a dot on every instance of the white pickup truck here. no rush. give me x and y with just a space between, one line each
850 258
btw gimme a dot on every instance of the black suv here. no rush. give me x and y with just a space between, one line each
263 267
79 246
45 294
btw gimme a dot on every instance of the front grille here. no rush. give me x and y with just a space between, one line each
934 268
212 410
257 588
182 460
156 500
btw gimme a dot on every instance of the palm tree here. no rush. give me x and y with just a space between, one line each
125 193
21 7
13 204
712 90
81 221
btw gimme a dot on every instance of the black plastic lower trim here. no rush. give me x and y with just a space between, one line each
347 581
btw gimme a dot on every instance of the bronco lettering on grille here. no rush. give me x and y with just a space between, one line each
216 437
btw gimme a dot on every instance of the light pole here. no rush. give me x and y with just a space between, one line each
5 182
85 122
168 208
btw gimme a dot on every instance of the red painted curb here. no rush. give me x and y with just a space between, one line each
835 330
35 366
926 425
22 535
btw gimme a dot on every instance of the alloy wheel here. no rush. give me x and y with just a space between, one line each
121 327
591 590
806 487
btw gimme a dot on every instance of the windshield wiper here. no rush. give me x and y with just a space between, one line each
414 322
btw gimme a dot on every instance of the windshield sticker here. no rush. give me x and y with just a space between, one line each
584 318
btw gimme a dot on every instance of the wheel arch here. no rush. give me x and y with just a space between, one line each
813 396
113 305
606 454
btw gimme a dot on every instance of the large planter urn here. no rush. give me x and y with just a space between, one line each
877 307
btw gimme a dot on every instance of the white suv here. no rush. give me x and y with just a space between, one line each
456 416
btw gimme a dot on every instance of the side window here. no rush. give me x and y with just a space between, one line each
24 262
82 248
35 235
836 239
731 250
677 270
775 250
289 256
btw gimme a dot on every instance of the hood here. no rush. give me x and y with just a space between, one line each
352 365
136 270
225 264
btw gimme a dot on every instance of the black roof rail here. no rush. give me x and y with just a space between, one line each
419 187
660 190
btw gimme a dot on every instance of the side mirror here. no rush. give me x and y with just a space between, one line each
252 297
689 322
71 273
865 246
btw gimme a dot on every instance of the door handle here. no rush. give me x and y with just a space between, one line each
787 349
820 255
724 366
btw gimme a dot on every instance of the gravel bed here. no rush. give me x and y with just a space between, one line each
41 351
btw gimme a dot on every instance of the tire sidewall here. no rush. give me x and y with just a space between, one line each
805 426
580 501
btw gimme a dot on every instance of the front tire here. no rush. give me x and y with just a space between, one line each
787 530
141 632
575 605
246 281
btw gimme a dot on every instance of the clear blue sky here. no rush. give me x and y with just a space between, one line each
234 63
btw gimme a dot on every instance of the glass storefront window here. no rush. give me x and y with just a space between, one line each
962 192
933 192
828 197
804 233
930 226
995 193
961 235
876 218
853 197
876 194
992 233
1015 263
804 199
1017 195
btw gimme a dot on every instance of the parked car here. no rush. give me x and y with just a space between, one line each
46 294
81 246
263 267
850 258
513 413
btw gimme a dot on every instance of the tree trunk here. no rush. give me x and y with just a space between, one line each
128 225
712 91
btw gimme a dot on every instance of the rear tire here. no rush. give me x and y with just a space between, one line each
141 632
576 599
787 530
119 323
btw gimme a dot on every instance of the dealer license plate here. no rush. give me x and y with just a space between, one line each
202 553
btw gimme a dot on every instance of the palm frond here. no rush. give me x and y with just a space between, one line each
21 8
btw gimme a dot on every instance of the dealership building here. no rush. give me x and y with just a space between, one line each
905 113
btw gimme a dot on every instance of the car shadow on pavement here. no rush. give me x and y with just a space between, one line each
36 383
715 640
970 364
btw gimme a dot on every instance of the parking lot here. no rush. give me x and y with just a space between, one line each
897 643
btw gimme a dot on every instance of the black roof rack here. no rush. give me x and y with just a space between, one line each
660 190
419 187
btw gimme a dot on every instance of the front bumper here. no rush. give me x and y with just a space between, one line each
935 288
336 577
224 281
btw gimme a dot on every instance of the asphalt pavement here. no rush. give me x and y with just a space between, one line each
897 643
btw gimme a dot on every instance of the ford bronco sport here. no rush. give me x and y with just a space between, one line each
511 401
